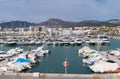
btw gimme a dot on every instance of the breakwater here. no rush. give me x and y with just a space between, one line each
115 37
37 75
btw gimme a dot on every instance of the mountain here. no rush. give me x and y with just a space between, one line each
54 22
58 22
15 24
114 21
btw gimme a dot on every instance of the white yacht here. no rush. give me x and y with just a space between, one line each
104 66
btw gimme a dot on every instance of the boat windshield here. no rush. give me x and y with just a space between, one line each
110 61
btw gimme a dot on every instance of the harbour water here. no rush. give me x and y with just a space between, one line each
53 63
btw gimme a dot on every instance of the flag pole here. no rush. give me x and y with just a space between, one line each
65 70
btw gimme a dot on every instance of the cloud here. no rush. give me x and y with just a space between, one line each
75 10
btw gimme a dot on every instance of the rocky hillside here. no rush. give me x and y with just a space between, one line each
14 24
58 22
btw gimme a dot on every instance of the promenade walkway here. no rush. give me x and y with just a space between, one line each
57 76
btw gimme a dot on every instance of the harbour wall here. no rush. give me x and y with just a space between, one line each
115 37
37 75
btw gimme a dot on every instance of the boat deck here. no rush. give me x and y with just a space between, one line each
11 58
111 57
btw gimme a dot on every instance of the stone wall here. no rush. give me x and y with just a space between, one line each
37 75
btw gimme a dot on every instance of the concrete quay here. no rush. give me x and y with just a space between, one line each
37 75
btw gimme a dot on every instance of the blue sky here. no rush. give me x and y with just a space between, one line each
70 10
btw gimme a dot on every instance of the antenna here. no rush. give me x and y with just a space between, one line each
12 24
2 22
24 24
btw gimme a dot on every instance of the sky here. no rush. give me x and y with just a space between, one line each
70 10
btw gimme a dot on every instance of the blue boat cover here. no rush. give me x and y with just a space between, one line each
22 60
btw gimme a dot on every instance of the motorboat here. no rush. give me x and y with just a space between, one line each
104 66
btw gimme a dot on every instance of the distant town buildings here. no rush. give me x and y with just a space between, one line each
44 30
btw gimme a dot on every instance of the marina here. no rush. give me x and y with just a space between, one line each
52 63
59 39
